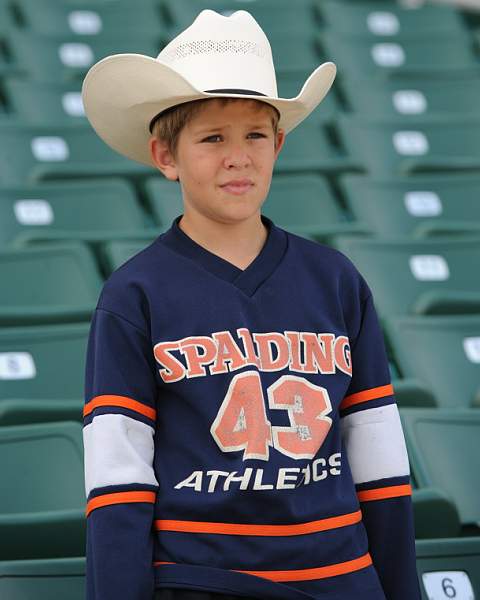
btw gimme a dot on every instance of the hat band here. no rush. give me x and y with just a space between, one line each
226 91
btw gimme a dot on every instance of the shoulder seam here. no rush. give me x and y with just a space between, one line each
123 319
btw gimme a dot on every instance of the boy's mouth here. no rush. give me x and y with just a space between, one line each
237 186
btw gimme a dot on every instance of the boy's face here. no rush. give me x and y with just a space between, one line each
224 160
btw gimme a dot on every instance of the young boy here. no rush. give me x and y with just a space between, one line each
241 433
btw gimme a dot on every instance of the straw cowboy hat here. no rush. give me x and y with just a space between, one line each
217 56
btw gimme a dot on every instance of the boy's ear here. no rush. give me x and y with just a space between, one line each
163 158
280 141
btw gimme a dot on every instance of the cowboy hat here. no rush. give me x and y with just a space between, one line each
216 56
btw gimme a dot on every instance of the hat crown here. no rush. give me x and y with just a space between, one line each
223 52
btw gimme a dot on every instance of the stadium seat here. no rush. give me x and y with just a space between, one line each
443 352
43 579
42 509
44 363
116 252
414 97
303 204
87 17
449 567
104 207
48 284
430 276
30 154
68 57
413 206
380 57
443 451
164 199
401 147
274 16
435 514
389 19
44 103
308 149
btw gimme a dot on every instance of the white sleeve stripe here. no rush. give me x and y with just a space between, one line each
375 444
117 450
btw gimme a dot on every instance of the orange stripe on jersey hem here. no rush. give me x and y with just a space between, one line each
261 530
393 491
305 574
366 395
119 498
123 402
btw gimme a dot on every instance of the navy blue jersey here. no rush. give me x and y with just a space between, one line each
241 431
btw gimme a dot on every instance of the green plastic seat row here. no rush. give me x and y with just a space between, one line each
444 453
418 276
87 17
390 147
431 56
414 97
388 19
64 578
47 284
68 57
417 206
441 352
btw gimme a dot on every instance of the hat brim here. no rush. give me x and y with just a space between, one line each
122 93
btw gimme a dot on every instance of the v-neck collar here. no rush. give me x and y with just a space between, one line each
248 280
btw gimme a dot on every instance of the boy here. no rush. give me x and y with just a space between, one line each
241 433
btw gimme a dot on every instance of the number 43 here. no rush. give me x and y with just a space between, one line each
241 422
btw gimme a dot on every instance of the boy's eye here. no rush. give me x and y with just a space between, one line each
257 135
212 138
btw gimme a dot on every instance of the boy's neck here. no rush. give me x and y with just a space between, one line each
237 243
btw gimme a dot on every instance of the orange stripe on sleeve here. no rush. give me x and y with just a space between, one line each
123 402
305 574
366 395
262 530
120 498
393 491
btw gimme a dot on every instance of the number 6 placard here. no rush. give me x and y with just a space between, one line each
442 585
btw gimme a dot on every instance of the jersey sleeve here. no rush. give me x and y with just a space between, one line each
118 437
375 447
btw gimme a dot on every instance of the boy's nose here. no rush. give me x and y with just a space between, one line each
237 156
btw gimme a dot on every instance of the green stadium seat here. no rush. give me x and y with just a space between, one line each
68 57
402 147
87 17
414 97
43 579
413 206
441 351
308 148
30 154
43 363
425 276
444 452
164 199
274 16
448 568
303 204
389 19
44 103
381 57
435 514
48 284
76 209
116 252
42 509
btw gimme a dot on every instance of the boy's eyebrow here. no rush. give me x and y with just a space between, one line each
252 125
